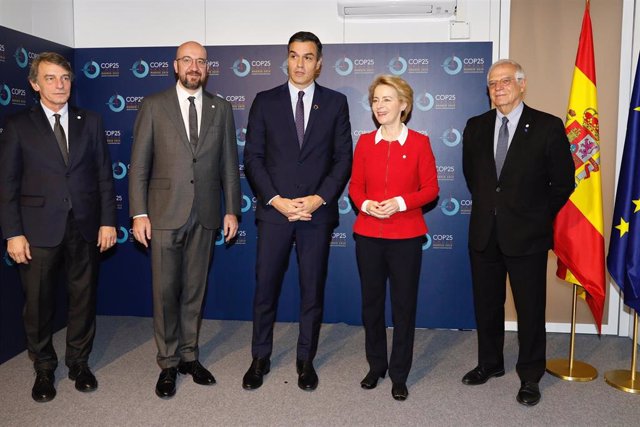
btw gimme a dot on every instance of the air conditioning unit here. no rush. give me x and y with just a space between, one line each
397 8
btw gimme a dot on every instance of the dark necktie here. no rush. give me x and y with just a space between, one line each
193 121
58 131
503 145
300 118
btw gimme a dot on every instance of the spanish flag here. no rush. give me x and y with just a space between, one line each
578 227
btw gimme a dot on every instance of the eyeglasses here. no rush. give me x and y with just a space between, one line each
187 61
502 82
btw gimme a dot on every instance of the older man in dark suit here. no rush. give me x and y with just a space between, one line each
57 208
298 159
519 170
184 157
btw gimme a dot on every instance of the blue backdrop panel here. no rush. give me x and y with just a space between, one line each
450 86
17 50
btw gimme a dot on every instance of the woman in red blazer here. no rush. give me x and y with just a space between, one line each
393 177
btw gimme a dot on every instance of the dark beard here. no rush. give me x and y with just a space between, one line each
189 85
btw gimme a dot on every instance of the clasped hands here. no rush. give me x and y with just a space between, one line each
384 209
299 209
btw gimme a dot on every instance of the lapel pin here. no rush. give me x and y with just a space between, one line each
315 106
213 106
526 127
78 117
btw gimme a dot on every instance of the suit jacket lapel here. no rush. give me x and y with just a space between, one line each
175 114
316 104
76 123
520 137
284 99
208 112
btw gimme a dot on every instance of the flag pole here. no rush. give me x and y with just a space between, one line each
570 369
623 379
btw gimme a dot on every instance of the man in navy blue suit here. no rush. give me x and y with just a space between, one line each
297 158
57 209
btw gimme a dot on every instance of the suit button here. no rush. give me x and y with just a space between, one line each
195 160
65 199
497 189
67 175
191 181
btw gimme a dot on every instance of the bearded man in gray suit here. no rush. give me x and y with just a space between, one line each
184 156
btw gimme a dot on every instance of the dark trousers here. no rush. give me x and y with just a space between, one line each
79 261
399 261
528 279
179 263
312 243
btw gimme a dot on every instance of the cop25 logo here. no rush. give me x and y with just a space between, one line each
344 66
123 235
22 57
116 103
397 66
241 67
451 137
344 206
5 95
91 69
452 65
450 206
119 170
427 244
424 101
140 69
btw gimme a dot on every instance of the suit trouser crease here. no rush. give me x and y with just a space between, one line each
274 247
39 279
399 261
527 277
180 262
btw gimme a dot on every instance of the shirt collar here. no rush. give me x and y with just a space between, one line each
513 116
183 95
293 91
402 138
63 111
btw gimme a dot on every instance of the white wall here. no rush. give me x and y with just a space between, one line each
108 23
48 19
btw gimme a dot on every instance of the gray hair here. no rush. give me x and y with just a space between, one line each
519 70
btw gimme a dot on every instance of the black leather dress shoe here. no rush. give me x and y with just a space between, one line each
307 377
85 380
258 369
529 393
399 391
166 385
371 380
199 373
480 375
43 389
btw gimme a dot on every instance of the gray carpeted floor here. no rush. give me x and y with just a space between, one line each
124 362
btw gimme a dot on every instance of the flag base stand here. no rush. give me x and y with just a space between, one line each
578 371
570 369
623 379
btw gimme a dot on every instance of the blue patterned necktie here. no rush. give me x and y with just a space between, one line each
300 118
503 145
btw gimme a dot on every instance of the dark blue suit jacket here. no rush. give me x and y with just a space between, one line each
275 163
35 183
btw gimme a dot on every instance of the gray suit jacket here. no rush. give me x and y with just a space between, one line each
168 177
